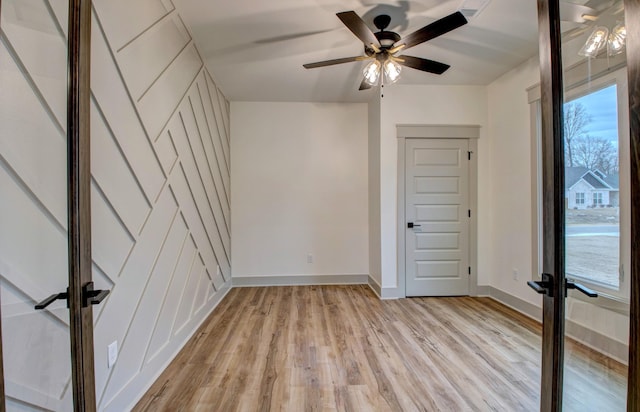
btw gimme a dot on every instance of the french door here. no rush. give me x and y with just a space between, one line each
589 57
45 237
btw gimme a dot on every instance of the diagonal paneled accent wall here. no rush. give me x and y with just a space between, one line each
160 192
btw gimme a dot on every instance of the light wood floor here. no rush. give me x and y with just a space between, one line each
327 348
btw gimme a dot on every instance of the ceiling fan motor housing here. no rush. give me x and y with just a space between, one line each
386 38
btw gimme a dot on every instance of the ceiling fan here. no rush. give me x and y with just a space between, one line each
382 48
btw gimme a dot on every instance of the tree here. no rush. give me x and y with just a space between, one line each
576 119
596 153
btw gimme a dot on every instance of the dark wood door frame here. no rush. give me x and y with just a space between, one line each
78 208
2 400
79 204
552 204
632 22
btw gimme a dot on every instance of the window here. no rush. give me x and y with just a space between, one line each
597 199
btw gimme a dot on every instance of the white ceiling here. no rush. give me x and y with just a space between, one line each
255 49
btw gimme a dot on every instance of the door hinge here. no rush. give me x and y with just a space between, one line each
469 212
469 269
469 154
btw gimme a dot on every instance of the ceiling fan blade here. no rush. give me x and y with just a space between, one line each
334 61
577 13
358 27
425 65
433 30
364 85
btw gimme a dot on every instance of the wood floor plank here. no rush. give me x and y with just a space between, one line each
340 348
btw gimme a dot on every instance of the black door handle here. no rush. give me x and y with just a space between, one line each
544 286
582 288
48 301
89 297
92 297
538 286
411 225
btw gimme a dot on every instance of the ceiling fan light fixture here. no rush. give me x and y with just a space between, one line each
617 40
596 41
392 71
372 72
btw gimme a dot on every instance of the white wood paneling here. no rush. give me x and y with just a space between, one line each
34 35
159 102
112 99
138 335
213 142
166 151
206 176
187 299
160 195
36 251
125 20
143 61
111 241
223 133
171 300
114 177
195 222
30 139
121 307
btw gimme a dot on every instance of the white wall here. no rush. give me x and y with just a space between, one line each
510 129
375 270
160 196
430 105
299 187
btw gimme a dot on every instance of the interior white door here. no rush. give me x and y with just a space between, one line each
437 217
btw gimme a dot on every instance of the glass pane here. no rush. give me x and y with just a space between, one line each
592 186
596 204
33 217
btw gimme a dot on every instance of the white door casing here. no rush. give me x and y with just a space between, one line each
437 199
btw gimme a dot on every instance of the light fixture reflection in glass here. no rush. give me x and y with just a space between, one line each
392 71
617 40
595 42
372 72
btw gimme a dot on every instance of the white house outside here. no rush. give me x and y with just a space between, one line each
590 188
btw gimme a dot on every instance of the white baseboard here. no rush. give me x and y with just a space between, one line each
375 286
514 302
594 340
299 280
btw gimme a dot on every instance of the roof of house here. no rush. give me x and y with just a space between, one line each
573 174
594 178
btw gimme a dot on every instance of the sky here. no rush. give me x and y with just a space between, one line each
602 107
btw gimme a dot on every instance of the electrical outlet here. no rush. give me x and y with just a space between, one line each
112 350
515 274
309 258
